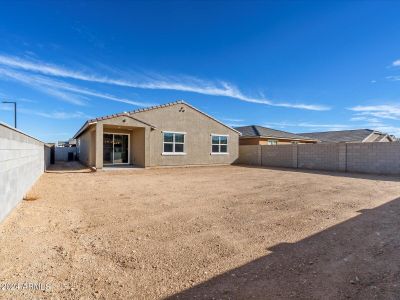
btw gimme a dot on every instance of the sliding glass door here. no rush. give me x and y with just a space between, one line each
108 149
115 149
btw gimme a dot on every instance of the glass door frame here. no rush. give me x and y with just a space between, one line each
129 147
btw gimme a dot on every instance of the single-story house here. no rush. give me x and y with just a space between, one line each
172 134
351 136
259 135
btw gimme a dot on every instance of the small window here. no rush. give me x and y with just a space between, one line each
272 142
219 144
173 143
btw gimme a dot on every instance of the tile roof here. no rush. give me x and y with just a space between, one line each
260 131
133 112
354 136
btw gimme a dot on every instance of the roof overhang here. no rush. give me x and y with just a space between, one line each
94 121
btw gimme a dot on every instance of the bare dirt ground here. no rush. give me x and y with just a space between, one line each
208 232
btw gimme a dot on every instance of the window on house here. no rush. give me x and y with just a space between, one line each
272 142
174 142
219 144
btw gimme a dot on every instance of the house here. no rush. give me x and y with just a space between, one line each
259 135
69 143
173 134
351 136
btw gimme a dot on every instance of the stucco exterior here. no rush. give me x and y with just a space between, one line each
145 129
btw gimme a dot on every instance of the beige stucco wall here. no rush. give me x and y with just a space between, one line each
198 128
146 138
87 147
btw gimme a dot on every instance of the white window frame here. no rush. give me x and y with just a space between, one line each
272 140
173 143
227 144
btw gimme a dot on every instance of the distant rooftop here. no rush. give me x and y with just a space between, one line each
260 131
355 136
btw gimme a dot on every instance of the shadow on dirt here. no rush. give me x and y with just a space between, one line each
62 167
356 259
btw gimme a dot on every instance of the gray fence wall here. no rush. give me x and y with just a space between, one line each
375 158
61 153
22 160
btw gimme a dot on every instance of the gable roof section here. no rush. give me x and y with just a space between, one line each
94 121
130 113
181 102
260 131
358 135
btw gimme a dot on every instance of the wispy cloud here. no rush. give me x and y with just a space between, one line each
393 78
379 111
58 115
373 116
57 88
146 81
307 125
396 63
231 120
365 119
33 82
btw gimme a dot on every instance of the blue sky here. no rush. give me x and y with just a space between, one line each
294 66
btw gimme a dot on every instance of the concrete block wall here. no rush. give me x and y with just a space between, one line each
379 158
250 155
318 156
374 158
281 156
22 161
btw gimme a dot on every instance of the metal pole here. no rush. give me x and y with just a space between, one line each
15 111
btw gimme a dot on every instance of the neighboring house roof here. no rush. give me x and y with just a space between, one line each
264 132
348 136
130 113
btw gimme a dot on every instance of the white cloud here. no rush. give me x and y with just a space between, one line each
180 83
232 120
57 88
379 111
396 63
365 119
393 78
308 125
373 116
58 115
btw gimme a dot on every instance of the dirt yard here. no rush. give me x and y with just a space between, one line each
207 232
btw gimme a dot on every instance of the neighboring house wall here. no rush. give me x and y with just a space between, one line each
86 148
374 158
372 138
198 128
61 153
22 160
